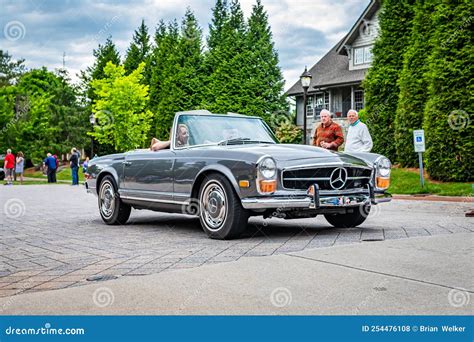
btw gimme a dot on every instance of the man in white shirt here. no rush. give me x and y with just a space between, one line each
358 137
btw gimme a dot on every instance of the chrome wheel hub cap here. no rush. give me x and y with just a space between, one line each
214 206
107 200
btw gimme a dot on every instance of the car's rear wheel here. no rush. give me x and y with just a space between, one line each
349 220
112 210
220 211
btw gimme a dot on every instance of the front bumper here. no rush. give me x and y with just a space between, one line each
318 200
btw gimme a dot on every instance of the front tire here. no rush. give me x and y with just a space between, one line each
220 211
112 210
349 220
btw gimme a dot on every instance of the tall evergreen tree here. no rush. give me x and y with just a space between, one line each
380 84
226 63
448 120
413 84
219 18
165 88
265 81
138 52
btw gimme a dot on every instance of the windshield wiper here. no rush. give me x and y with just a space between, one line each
243 141
234 140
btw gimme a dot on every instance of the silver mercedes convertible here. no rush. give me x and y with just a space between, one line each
225 168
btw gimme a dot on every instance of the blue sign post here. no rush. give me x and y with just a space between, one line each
419 143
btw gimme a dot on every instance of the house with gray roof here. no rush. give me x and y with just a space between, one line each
337 77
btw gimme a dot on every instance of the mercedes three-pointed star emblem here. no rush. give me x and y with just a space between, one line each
338 178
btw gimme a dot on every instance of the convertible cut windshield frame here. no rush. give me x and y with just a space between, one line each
199 113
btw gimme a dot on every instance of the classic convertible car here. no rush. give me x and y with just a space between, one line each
227 167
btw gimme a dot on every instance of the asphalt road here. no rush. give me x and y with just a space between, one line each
52 237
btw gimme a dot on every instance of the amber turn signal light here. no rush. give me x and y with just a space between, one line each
267 186
383 182
244 184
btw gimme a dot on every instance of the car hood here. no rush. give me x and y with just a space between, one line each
288 153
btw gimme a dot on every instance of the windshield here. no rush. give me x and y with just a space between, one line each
195 130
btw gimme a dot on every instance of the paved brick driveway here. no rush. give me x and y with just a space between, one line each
52 237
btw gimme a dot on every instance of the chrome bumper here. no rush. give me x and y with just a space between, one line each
317 201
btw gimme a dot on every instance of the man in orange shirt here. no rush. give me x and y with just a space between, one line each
329 134
9 164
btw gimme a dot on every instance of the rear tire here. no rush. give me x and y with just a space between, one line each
111 208
220 211
349 220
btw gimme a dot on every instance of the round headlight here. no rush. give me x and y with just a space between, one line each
383 167
267 168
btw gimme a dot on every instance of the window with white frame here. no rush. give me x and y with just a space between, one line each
358 99
310 105
322 101
368 54
363 55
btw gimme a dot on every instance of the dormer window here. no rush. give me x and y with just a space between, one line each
362 55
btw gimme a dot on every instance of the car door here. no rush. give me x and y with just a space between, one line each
148 175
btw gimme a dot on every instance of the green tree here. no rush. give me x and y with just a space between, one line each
42 115
264 80
226 61
413 84
448 121
380 85
139 52
10 70
120 109
178 77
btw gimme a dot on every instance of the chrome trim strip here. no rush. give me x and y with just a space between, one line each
305 202
322 165
382 197
152 200
323 178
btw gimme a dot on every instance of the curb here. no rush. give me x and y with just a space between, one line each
434 198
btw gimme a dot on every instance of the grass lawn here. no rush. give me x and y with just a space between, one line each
405 181
64 174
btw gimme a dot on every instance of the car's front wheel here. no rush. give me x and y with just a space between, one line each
112 210
220 211
349 220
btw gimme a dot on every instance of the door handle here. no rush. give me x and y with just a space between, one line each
127 163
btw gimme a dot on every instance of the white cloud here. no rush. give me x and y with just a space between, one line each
303 30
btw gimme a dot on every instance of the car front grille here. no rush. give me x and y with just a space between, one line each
302 179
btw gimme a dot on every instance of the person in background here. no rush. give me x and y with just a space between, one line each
74 163
51 163
358 137
20 165
57 161
329 134
8 165
85 165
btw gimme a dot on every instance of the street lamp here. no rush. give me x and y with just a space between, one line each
305 79
92 121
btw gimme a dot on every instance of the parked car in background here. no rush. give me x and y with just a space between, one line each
225 168
2 174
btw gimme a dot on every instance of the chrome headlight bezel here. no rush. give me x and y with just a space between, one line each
382 172
267 169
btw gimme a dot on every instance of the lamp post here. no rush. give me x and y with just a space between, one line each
92 121
305 79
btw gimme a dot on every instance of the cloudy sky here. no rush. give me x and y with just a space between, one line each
41 30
